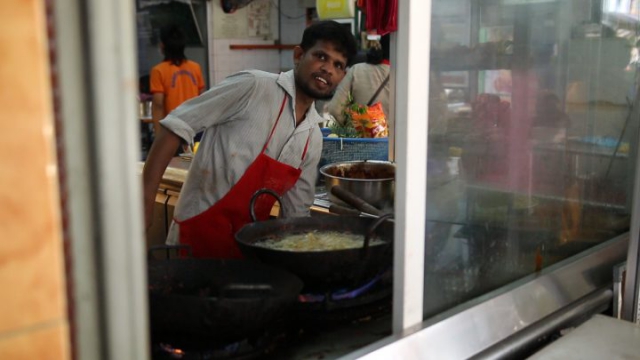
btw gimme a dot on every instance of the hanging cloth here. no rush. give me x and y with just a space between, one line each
381 16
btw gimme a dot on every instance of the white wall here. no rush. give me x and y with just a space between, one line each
292 29
224 62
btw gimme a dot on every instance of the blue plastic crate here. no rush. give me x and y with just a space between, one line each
350 149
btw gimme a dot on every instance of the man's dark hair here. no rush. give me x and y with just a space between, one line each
333 32
174 39
375 55
385 42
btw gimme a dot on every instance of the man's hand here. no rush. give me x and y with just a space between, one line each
157 111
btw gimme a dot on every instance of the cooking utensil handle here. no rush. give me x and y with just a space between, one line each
168 248
355 201
341 210
372 230
252 204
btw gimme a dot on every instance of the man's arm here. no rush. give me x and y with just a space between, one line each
157 111
221 104
162 150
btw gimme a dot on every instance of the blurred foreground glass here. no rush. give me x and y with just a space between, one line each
532 132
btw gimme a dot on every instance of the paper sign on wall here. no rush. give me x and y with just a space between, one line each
258 19
229 26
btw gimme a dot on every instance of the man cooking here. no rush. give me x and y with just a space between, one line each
260 131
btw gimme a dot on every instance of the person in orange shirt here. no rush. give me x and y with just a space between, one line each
176 79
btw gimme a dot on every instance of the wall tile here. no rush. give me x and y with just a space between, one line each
226 63
49 343
31 265
220 75
221 45
32 283
230 61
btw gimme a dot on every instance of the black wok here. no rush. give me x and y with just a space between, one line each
219 301
322 270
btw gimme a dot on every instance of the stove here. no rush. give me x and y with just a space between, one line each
315 316
371 299
186 349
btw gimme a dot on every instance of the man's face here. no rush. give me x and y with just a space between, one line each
319 70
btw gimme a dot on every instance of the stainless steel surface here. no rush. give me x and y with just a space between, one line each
525 342
631 302
411 66
320 203
88 332
110 57
391 119
619 272
600 337
377 192
465 330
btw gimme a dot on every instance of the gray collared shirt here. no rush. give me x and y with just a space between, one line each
236 117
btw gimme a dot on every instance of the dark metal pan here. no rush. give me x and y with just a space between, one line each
322 270
219 301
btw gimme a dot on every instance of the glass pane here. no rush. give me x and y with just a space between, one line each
532 128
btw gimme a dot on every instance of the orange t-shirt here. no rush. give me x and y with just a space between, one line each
177 83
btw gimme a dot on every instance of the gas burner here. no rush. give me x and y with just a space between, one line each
373 299
199 350
340 295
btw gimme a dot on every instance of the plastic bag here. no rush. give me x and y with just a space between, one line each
369 121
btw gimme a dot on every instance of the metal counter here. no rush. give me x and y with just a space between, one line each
472 327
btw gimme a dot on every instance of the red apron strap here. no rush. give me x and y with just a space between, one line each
306 146
284 101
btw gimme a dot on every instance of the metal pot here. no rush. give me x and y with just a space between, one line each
373 181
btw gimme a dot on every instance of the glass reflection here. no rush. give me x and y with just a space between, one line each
531 135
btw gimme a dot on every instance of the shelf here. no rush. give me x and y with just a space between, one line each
470 62
484 56
577 148
547 196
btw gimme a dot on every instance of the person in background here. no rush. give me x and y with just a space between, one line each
260 130
549 112
364 80
176 79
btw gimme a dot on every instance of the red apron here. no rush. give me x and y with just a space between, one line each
211 233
